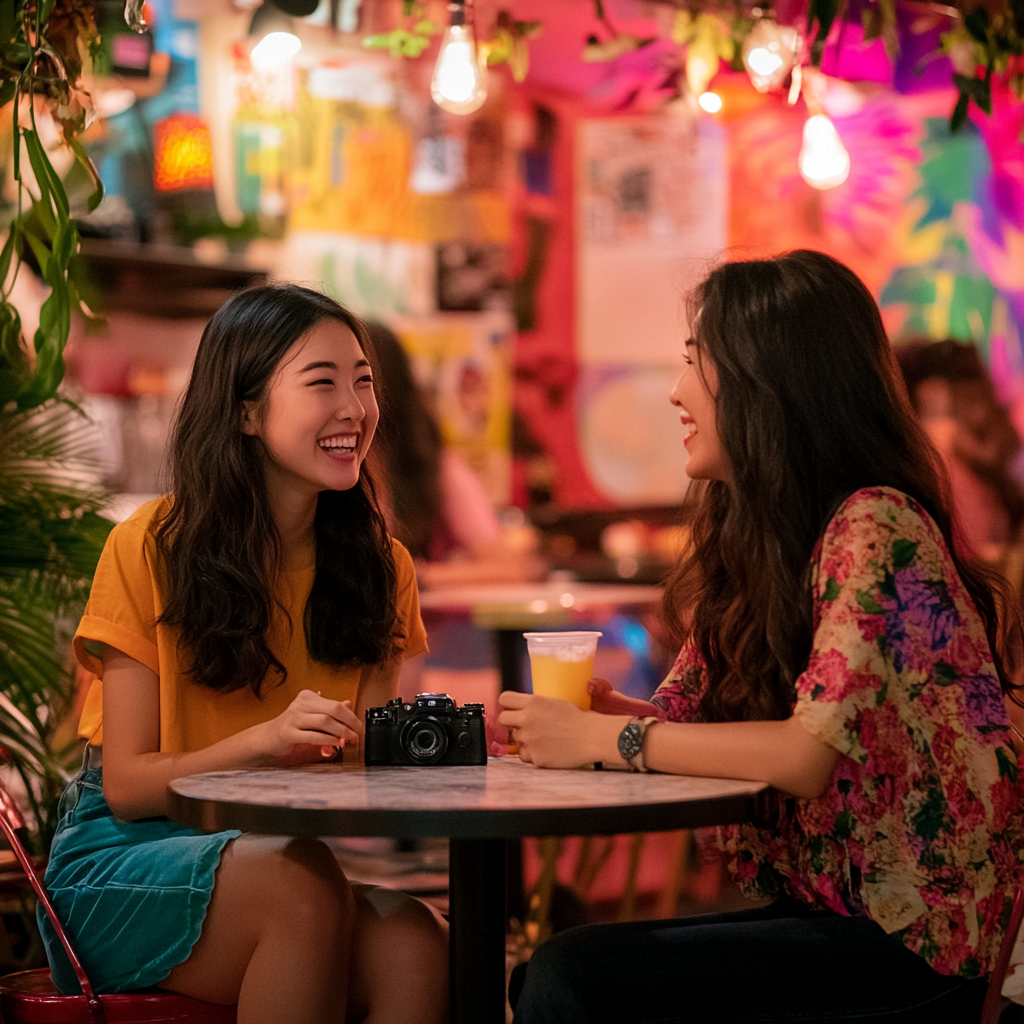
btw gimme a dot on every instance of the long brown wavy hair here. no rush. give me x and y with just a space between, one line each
810 408
218 545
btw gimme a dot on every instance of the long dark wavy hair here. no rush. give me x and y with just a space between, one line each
409 445
218 545
810 408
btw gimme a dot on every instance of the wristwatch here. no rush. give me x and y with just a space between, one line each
631 742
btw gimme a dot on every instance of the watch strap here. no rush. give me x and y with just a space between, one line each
631 741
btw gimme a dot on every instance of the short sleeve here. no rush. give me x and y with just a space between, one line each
407 601
680 694
121 610
885 615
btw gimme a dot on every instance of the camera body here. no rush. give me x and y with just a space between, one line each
431 730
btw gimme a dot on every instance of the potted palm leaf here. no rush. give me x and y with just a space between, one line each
51 530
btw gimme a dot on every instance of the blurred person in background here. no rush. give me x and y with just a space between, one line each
952 392
435 503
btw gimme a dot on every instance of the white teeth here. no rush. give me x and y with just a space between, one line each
347 444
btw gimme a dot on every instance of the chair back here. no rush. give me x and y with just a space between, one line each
994 1004
10 822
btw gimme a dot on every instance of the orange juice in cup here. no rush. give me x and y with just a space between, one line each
561 664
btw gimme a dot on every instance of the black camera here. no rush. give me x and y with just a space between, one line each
430 730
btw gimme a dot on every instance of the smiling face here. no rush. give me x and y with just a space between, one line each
695 396
319 413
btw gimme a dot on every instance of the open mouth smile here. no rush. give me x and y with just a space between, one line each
689 426
341 447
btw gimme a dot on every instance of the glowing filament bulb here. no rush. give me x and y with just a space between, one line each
824 162
274 47
710 101
459 84
769 52
763 61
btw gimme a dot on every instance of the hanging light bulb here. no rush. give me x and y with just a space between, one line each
710 102
274 33
769 53
276 46
459 84
824 162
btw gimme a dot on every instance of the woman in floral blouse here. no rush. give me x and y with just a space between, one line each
835 644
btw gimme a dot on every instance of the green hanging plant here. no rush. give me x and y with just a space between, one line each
51 530
43 44
507 45
411 38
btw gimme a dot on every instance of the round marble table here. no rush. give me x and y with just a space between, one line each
478 808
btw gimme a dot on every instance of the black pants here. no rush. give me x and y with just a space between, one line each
780 963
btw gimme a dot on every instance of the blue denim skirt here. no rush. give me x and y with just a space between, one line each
132 895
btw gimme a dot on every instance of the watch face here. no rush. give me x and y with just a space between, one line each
630 741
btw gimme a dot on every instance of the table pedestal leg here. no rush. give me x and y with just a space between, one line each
476 872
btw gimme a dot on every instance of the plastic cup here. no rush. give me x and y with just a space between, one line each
561 665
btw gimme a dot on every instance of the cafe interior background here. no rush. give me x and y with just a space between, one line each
531 254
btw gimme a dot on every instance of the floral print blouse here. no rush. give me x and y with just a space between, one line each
920 828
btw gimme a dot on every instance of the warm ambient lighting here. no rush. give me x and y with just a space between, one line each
710 101
459 84
769 53
276 46
182 153
824 162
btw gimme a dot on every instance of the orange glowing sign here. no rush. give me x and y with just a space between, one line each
183 156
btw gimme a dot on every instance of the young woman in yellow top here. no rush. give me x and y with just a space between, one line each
247 620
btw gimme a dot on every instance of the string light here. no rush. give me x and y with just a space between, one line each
459 84
275 46
274 33
769 53
710 102
824 161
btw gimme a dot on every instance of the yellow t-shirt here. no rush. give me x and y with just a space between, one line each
125 602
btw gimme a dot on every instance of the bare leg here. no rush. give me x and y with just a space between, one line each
277 935
399 960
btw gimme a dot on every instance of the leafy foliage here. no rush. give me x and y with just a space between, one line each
987 44
51 532
51 535
411 37
40 57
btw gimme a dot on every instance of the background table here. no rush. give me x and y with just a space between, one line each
478 808
510 609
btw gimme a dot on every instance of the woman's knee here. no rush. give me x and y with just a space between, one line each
396 917
297 881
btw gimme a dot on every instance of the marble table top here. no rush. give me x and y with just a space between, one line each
505 798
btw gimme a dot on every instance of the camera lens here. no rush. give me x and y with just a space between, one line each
425 740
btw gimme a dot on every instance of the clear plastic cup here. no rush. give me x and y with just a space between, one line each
561 664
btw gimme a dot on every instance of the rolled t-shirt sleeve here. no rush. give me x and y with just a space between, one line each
407 601
121 610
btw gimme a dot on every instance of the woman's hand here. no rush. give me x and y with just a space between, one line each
309 729
555 733
606 701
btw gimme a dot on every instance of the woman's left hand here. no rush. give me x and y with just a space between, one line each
555 733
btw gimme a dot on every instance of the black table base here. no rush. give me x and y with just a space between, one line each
476 902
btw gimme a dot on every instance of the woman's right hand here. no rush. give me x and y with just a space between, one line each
606 701
308 726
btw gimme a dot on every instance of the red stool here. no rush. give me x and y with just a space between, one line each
29 997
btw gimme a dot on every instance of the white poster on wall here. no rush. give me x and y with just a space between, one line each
651 213
651 217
